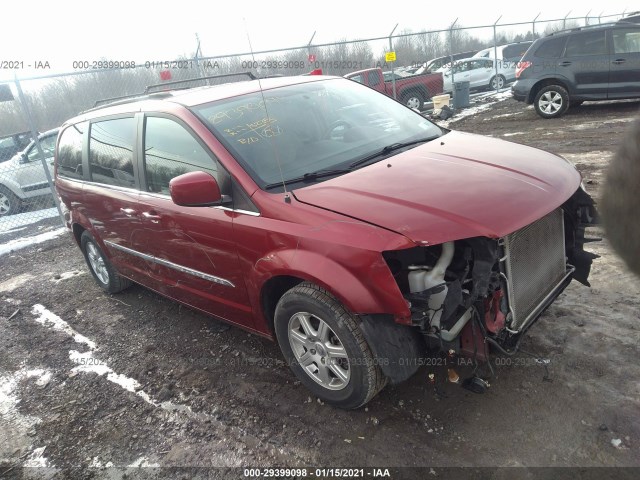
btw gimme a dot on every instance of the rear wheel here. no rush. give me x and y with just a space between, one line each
325 347
551 101
9 203
497 82
100 266
413 100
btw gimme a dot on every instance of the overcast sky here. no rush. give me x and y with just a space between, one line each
60 32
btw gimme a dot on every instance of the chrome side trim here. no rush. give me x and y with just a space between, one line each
174 266
239 210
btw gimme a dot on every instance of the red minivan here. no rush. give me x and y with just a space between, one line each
325 215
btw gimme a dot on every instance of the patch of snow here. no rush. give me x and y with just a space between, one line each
86 363
491 99
143 462
45 317
504 115
15 282
512 134
37 459
96 463
13 435
9 400
68 275
13 301
20 243
26 218
582 126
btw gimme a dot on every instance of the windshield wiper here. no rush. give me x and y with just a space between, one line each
389 149
309 176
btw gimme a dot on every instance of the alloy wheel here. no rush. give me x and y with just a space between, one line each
550 102
319 351
97 263
5 204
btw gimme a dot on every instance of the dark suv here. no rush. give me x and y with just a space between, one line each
600 62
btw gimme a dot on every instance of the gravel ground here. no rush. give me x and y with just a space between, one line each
93 381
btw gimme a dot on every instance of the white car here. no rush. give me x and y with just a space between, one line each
508 57
23 179
479 72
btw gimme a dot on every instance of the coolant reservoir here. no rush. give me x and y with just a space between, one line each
436 277
416 277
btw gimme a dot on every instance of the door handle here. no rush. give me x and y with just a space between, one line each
153 216
129 212
619 61
566 63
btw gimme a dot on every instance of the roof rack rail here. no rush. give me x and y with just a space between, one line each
121 100
126 99
177 82
584 27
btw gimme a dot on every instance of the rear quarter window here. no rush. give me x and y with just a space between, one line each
626 41
69 156
551 48
515 52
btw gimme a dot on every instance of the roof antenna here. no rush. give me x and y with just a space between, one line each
287 197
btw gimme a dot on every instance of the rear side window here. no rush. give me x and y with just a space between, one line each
626 41
586 43
515 52
111 147
170 150
551 48
70 152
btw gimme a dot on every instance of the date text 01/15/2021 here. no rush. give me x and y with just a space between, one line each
316 472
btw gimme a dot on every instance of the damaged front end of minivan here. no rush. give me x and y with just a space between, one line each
475 295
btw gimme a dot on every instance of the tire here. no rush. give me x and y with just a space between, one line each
413 100
9 203
551 101
100 266
315 331
497 81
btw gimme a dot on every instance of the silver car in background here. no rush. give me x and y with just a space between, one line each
22 178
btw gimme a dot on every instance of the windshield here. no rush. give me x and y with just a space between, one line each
304 128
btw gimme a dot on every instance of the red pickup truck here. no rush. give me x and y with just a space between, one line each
412 90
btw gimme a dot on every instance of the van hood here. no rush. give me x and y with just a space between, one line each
457 186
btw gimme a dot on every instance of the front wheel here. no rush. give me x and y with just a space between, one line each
325 347
100 266
551 101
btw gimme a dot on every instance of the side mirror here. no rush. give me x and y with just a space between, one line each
23 158
196 189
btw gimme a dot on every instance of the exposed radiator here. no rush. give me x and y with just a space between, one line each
535 264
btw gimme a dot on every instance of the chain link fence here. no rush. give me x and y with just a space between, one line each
31 109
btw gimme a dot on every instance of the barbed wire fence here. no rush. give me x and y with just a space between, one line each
32 108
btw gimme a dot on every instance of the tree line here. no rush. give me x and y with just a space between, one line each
61 98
